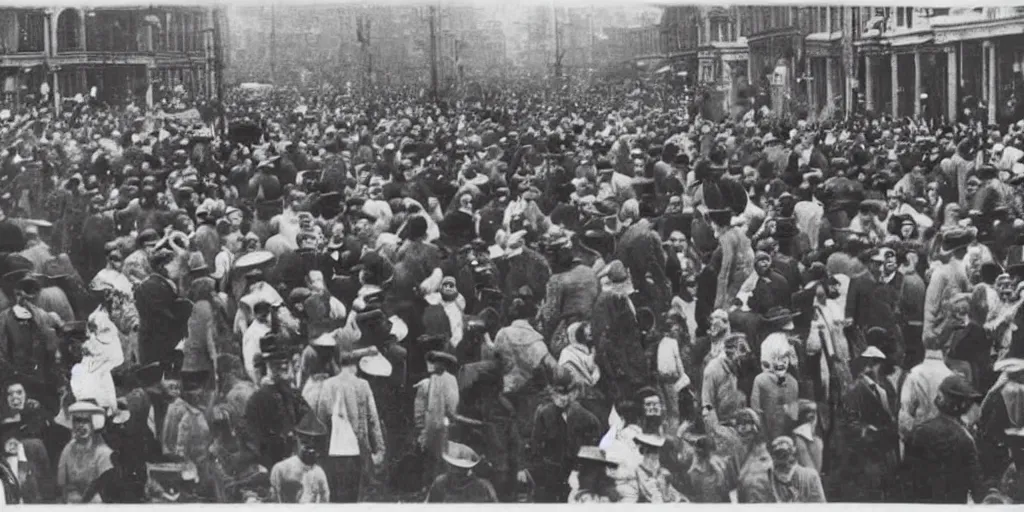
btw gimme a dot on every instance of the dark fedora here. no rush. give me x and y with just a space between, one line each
778 315
439 356
311 426
957 238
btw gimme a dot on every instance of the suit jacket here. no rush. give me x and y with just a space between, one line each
32 355
873 304
769 292
871 425
556 441
946 281
640 251
789 269
161 325
944 463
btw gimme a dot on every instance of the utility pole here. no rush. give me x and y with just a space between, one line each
273 44
433 51
558 45
218 41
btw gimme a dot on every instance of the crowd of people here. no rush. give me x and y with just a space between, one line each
576 297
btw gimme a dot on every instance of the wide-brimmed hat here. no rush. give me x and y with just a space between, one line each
650 440
595 454
955 239
88 410
11 427
253 260
778 315
438 356
374 363
399 329
311 426
372 317
460 455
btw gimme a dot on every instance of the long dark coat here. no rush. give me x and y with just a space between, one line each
641 252
161 324
270 416
620 351
943 463
866 446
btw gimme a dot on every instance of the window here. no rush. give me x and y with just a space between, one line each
823 19
31 29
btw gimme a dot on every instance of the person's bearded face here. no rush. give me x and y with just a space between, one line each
81 428
653 412
783 464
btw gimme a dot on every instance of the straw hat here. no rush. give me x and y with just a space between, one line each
88 410
460 456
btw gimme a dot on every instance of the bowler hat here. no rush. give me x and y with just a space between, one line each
956 386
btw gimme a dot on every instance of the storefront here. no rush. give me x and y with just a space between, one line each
773 57
823 53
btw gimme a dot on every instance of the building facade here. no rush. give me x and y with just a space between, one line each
125 53
943 61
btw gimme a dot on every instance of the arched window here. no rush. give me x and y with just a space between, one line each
69 28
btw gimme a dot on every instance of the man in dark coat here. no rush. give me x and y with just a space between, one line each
29 345
521 267
293 267
872 302
162 318
771 290
560 428
864 465
275 408
640 250
941 454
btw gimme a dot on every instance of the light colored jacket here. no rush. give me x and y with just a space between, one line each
917 398
946 281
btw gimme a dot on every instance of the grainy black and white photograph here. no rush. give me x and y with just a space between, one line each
524 251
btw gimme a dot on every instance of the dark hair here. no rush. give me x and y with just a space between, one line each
522 308
629 410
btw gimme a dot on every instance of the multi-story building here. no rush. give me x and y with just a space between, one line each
936 62
797 56
126 53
